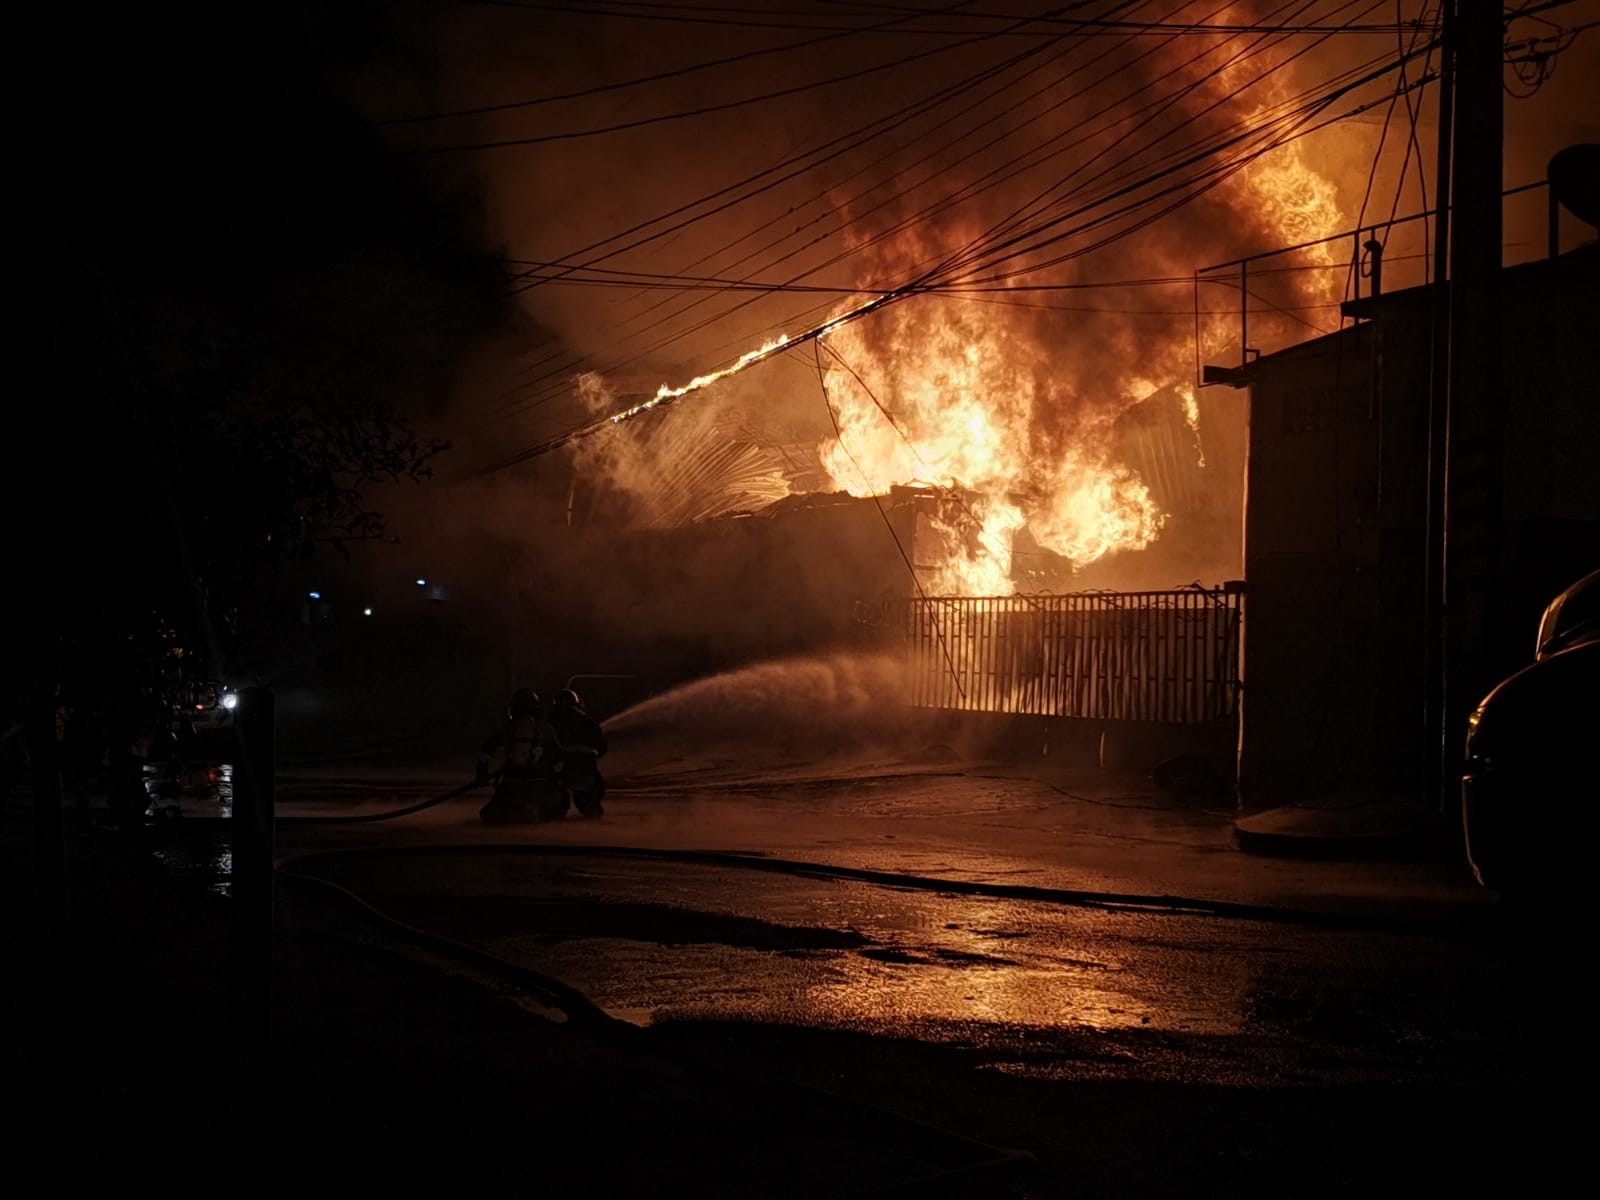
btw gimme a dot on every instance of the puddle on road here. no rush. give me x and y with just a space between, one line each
208 865
949 977
200 791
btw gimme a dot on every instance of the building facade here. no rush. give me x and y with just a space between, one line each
1336 528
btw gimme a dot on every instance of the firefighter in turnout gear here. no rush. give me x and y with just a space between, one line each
528 787
582 744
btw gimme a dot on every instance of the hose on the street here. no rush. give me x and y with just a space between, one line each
1109 901
387 815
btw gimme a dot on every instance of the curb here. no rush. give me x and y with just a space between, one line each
1369 831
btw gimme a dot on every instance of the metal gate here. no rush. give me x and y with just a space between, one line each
1122 656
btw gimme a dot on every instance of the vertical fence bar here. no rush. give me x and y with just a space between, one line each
983 617
1191 640
1133 656
990 632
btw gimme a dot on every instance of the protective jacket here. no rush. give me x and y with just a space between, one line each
531 747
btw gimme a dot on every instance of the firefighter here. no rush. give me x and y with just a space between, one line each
582 744
528 787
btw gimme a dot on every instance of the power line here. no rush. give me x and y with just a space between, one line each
1087 25
990 249
987 243
650 280
1197 185
1018 244
781 172
1161 105
836 148
704 110
916 581
890 182
1204 182
899 193
937 100
1377 153
1413 146
924 214
660 76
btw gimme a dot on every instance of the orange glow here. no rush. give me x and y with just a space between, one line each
1013 418
980 566
1300 206
971 403
966 399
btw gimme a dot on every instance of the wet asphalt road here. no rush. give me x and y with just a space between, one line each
1132 1052
661 941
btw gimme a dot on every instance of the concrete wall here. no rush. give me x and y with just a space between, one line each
1335 529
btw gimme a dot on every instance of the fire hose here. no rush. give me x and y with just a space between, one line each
1032 893
388 815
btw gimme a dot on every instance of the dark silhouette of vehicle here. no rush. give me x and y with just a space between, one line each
1529 782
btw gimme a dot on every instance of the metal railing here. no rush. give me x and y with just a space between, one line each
1368 250
1124 656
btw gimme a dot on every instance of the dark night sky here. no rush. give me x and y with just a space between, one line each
201 154
201 213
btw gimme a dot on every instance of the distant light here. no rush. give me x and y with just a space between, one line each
230 701
315 595
366 612
422 583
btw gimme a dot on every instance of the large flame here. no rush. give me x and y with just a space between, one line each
1008 420
956 398
961 398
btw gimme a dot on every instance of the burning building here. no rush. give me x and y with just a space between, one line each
960 355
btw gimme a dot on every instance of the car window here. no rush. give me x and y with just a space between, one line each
1571 616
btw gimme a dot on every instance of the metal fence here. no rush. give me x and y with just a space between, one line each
1125 656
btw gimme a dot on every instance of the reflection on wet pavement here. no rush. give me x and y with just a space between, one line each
197 790
203 790
207 861
915 957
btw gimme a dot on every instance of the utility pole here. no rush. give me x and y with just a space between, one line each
1474 417
1435 764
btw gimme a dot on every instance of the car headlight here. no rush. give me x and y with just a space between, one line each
230 701
1475 754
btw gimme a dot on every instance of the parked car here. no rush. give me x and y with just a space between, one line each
211 705
1530 781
